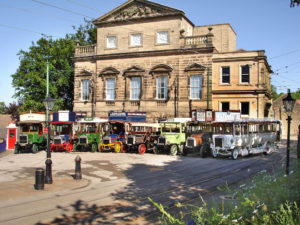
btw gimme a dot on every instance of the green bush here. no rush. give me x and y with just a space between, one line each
265 199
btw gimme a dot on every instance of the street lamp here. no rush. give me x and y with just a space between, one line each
49 103
288 103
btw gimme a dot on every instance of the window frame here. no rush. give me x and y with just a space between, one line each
222 74
241 74
157 39
158 88
107 89
198 87
107 43
222 106
85 90
130 40
241 108
135 88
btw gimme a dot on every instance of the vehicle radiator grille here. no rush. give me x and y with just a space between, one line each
161 141
130 140
83 140
57 141
23 139
190 143
219 142
106 141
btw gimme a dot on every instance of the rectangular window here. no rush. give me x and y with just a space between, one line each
162 88
111 42
110 89
136 40
225 106
135 88
225 75
196 87
162 37
245 74
85 90
245 108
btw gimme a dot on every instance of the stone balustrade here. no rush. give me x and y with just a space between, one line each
86 50
196 41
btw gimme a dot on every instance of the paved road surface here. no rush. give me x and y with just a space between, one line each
115 187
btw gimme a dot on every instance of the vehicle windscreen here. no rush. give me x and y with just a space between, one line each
88 128
31 127
62 129
223 128
200 128
171 128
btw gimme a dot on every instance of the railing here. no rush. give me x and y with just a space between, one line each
87 50
196 41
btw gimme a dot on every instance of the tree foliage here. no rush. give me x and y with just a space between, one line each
13 110
29 80
2 107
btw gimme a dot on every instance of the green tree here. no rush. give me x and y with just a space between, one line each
2 107
296 95
274 92
29 80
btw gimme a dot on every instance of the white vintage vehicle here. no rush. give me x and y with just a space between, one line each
245 137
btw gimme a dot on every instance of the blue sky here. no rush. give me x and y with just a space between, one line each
269 25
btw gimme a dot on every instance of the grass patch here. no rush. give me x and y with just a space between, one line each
265 199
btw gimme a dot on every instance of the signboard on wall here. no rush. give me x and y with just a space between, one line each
202 115
227 116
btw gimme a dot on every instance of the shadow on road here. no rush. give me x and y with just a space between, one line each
176 181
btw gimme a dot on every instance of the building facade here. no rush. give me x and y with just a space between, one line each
151 58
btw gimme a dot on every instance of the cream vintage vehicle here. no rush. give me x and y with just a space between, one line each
244 137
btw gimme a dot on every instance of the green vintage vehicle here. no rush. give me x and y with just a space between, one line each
172 138
89 134
31 137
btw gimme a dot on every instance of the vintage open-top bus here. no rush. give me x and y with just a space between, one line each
141 136
244 137
89 133
31 137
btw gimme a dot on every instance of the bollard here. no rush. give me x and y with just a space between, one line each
39 179
77 168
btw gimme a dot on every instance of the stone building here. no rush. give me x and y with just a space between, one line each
152 58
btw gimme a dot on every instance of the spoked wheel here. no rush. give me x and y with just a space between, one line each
235 154
125 148
142 148
268 149
35 148
213 153
173 150
100 148
94 147
117 148
16 150
155 149
69 148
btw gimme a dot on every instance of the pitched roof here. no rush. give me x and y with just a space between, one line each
137 9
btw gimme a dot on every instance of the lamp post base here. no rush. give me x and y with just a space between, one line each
48 178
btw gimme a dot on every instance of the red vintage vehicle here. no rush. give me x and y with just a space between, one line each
62 127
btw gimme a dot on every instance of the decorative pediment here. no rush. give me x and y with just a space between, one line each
136 9
161 69
133 71
109 71
195 67
84 72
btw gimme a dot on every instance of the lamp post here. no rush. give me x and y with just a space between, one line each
49 103
288 103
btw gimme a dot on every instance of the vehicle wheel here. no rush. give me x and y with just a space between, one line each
100 148
94 147
35 148
173 150
201 151
213 153
268 149
235 154
69 148
142 149
117 148
125 148
16 150
155 149
74 148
